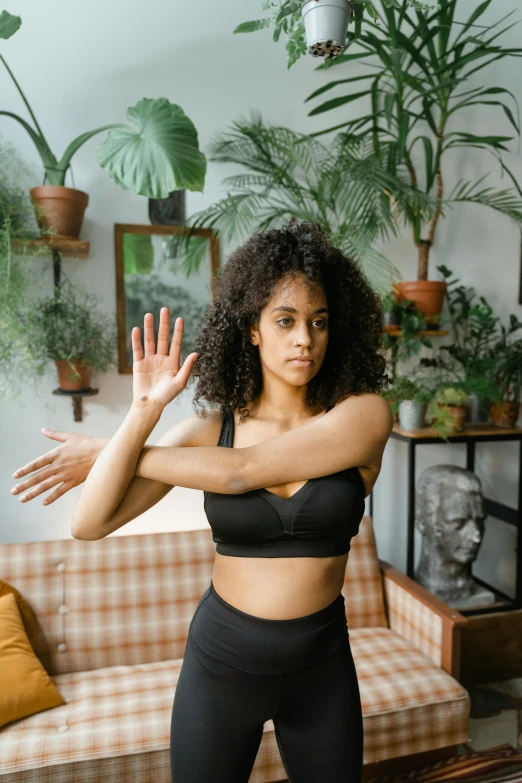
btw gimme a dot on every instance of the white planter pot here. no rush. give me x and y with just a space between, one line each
326 24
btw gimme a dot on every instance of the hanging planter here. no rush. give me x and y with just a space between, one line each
326 25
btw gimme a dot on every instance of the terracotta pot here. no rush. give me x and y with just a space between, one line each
68 379
504 414
426 295
62 209
459 413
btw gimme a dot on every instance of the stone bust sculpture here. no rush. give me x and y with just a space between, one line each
450 515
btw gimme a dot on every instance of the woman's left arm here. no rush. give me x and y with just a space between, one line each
354 433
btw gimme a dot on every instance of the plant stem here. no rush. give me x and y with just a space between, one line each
11 74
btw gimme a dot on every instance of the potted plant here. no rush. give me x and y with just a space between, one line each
153 155
410 340
451 402
70 330
474 330
325 23
507 375
409 398
415 71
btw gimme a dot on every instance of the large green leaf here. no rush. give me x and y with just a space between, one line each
138 254
9 24
157 154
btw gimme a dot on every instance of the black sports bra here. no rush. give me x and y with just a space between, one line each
318 520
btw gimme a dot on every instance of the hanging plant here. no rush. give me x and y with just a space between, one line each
293 18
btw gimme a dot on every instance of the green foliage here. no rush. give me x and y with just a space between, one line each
155 153
419 86
286 19
452 395
69 326
340 186
17 223
416 74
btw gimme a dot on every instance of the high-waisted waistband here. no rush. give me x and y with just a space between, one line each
263 646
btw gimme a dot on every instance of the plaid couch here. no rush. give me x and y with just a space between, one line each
113 618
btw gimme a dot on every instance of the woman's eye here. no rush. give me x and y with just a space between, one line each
322 326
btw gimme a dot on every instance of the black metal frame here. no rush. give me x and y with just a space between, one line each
512 516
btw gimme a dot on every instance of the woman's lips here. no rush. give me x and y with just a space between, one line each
302 362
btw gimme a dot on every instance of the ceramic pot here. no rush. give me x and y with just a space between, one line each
60 208
411 414
73 378
326 25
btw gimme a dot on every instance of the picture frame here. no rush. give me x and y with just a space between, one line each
148 278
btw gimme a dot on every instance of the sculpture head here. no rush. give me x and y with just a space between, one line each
449 512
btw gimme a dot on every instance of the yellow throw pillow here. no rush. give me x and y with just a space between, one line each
25 686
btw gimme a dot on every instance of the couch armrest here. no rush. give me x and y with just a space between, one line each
428 623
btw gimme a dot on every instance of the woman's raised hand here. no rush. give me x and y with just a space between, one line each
157 376
67 466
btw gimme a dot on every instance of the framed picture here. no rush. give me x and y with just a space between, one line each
151 275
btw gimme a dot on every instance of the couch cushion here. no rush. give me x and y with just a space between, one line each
115 726
409 705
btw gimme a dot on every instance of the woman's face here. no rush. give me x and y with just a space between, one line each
293 323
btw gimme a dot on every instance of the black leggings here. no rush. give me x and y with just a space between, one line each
240 671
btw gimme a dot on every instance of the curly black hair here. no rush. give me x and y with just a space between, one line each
228 367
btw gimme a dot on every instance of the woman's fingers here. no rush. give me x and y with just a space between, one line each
177 340
32 493
41 462
163 332
56 434
58 492
35 479
148 337
137 350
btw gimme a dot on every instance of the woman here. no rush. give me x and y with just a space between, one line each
300 447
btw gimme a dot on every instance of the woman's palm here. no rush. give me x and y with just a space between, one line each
157 376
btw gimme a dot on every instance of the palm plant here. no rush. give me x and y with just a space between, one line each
341 186
419 73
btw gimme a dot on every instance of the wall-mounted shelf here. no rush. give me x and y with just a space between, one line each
70 247
77 397
395 331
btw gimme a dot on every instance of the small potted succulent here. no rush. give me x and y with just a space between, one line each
70 330
451 403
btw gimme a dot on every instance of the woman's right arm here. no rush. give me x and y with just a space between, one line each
71 462
144 493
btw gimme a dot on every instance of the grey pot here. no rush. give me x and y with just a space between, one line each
411 414
478 410
326 25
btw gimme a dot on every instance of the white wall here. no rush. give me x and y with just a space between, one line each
81 67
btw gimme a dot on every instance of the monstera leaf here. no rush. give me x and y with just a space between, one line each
157 153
